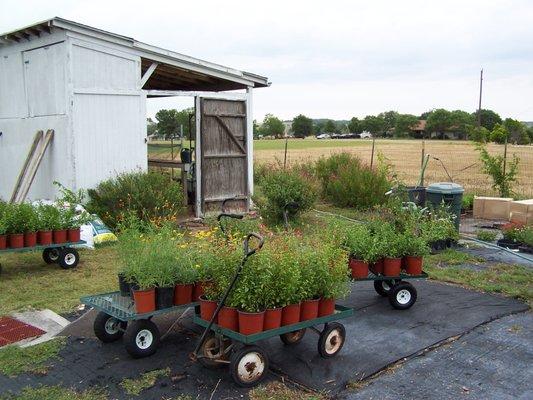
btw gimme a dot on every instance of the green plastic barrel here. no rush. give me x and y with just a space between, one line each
449 193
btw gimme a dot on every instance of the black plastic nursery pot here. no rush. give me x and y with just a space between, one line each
509 244
438 245
164 297
124 287
524 248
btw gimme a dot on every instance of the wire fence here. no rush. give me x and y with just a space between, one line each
456 161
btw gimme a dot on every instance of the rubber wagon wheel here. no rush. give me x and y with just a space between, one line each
248 366
331 340
402 296
292 338
213 349
383 287
107 328
141 338
51 255
68 258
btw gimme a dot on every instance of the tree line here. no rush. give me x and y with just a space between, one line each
437 123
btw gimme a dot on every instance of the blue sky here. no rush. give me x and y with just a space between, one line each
334 59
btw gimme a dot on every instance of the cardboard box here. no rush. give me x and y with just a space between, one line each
523 206
492 207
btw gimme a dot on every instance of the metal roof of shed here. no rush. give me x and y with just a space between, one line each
175 71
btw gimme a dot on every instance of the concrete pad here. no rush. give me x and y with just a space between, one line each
46 320
493 361
378 335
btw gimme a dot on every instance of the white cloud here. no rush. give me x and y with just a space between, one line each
335 59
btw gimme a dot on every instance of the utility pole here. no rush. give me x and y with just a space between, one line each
480 93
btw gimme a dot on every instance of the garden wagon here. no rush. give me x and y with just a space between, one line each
217 346
401 294
63 254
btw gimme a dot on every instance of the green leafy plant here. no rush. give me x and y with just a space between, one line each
49 217
526 235
512 231
280 187
504 174
150 196
415 246
361 244
347 182
486 235
467 202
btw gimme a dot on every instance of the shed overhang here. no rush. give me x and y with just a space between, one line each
173 71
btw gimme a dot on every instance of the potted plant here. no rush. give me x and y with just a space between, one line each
415 250
394 242
184 283
526 239
47 221
333 277
15 226
30 220
59 233
360 245
309 257
511 233
144 288
247 297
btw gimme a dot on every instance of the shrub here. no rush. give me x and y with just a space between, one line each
415 246
149 196
526 235
486 236
346 182
511 231
467 201
280 187
502 178
361 244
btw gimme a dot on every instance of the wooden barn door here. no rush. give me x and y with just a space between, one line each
223 156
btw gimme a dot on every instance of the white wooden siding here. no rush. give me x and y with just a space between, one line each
12 94
99 69
57 163
45 80
108 136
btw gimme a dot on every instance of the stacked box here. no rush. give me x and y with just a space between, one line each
522 212
492 207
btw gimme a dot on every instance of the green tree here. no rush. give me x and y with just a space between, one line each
503 173
480 135
169 122
151 127
439 121
389 120
302 126
461 122
425 115
404 123
530 133
374 124
499 134
330 126
517 131
272 126
256 129
488 118
355 125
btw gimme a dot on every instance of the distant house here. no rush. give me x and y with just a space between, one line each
419 130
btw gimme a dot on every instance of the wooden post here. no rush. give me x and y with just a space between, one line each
285 157
372 156
505 156
422 162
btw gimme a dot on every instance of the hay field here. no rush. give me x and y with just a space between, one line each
460 159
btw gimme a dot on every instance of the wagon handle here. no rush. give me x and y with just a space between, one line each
247 251
227 215
222 302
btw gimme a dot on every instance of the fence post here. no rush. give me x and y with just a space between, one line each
422 162
504 156
285 157
372 156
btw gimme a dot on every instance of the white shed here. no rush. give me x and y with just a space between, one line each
90 86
